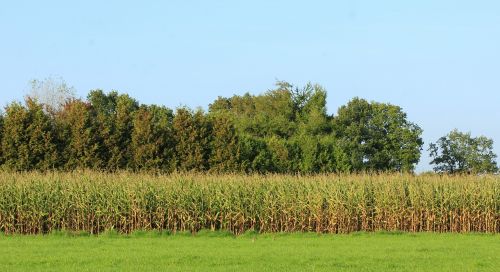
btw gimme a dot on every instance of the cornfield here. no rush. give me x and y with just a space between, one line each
32 203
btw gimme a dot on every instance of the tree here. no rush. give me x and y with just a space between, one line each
274 114
192 138
120 141
284 130
28 141
79 136
261 116
104 106
459 152
330 157
309 105
51 92
280 156
152 139
225 150
256 155
279 130
114 114
313 129
377 136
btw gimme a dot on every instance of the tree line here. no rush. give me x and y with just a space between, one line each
284 130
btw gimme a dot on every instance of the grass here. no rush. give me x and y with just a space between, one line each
219 251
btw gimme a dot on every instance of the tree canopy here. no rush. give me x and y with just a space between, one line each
377 136
284 130
459 152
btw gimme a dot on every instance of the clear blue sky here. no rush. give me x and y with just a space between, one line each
439 60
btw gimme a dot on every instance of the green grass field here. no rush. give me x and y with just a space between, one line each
207 251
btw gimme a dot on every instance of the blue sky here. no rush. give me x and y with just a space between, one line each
439 60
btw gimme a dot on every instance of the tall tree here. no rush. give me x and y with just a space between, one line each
114 113
265 115
377 136
152 139
459 152
192 138
283 126
225 150
79 136
313 128
310 108
274 114
28 142
104 106
120 140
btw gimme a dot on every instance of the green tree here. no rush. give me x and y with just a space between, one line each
313 129
330 157
79 136
310 109
192 138
225 149
261 116
280 126
259 155
120 140
459 152
104 106
114 114
280 156
28 141
377 136
152 139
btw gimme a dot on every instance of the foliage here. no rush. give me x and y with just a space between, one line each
114 114
225 149
28 141
459 152
152 139
79 136
191 136
284 130
377 136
